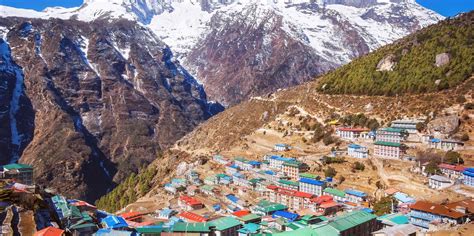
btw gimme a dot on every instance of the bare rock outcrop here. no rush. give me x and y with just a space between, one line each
442 59
387 63
445 125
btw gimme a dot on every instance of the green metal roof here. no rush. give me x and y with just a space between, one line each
241 159
391 144
288 182
149 229
190 227
207 187
221 175
335 192
308 175
394 130
267 206
351 220
326 230
249 217
293 163
395 218
17 166
256 180
307 231
224 223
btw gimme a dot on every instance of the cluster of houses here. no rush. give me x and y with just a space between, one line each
389 142
293 201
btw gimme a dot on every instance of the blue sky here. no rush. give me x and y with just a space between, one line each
444 7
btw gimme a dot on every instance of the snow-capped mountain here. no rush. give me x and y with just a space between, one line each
333 31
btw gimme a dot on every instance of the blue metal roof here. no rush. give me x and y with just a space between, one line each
312 181
368 210
254 163
280 158
355 193
355 146
469 172
435 140
285 214
114 222
269 172
232 198
403 198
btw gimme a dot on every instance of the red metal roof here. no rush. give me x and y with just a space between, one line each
436 209
328 204
190 200
132 215
50 231
353 129
241 213
192 216
322 199
290 192
458 168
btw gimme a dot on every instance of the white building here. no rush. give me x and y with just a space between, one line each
408 125
392 135
311 186
350 133
357 151
439 182
276 162
445 145
281 147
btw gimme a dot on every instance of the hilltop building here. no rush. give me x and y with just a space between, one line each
392 135
424 213
293 169
386 149
21 173
350 133
357 151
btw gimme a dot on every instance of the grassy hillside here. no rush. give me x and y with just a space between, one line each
414 60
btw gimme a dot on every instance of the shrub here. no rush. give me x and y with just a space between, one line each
330 172
358 166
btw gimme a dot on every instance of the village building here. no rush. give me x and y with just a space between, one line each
242 163
240 180
350 134
268 175
424 213
166 214
328 208
276 162
392 135
231 168
390 191
389 149
452 171
266 208
211 180
191 217
408 125
439 182
309 176
170 188
393 219
294 199
178 182
336 194
311 186
208 190
114 222
220 159
191 190
289 216
287 184
21 173
224 179
357 151
281 147
468 177
403 199
355 196
189 203
445 145
358 223
292 169
404 229
265 165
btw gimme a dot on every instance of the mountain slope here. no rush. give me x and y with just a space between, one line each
99 100
435 58
244 48
262 121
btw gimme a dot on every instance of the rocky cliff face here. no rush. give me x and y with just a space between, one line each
97 100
